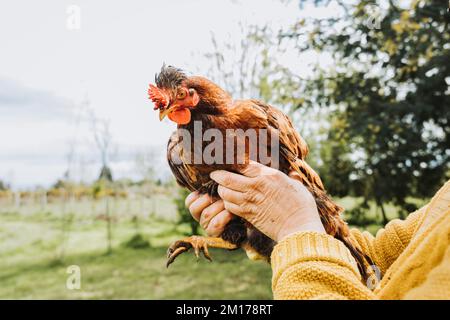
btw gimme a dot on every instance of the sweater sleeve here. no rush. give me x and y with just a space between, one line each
312 265
390 241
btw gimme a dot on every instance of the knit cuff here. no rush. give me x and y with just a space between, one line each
310 246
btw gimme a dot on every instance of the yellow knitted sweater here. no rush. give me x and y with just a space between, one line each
412 259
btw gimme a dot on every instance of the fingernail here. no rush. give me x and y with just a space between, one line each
213 175
190 197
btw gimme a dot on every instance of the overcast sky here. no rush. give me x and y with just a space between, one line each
48 70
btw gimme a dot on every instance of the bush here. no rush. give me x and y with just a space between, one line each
3 186
137 242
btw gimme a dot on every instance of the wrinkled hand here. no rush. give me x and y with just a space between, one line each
212 215
274 203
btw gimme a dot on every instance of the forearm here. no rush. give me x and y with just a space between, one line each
311 265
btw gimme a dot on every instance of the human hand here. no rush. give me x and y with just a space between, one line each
276 204
212 215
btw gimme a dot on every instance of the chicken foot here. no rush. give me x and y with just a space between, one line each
200 244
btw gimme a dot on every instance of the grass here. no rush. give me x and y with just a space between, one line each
140 274
34 266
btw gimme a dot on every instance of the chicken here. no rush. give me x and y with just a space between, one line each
195 102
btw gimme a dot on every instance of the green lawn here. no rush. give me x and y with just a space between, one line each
140 274
30 268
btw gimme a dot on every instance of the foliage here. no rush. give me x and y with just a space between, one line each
105 174
337 164
137 241
387 93
3 186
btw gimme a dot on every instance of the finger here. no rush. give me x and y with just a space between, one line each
210 212
218 223
233 208
230 195
255 169
199 205
232 180
191 198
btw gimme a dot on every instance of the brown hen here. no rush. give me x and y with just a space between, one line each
196 104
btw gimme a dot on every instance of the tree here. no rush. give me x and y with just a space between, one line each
100 129
145 168
3 186
387 95
67 183
101 133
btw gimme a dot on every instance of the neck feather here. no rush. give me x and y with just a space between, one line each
213 99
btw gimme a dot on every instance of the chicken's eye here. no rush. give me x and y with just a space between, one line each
181 94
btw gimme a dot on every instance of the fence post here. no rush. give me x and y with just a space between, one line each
44 201
17 200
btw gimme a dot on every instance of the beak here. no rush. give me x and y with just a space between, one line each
163 113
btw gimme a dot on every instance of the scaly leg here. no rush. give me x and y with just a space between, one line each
199 244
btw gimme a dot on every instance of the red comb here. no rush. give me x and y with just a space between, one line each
157 96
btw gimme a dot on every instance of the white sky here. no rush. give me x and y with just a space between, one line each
46 70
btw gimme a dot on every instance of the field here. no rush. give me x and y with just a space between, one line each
37 247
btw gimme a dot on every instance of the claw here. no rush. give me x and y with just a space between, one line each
206 253
196 242
172 254
197 252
